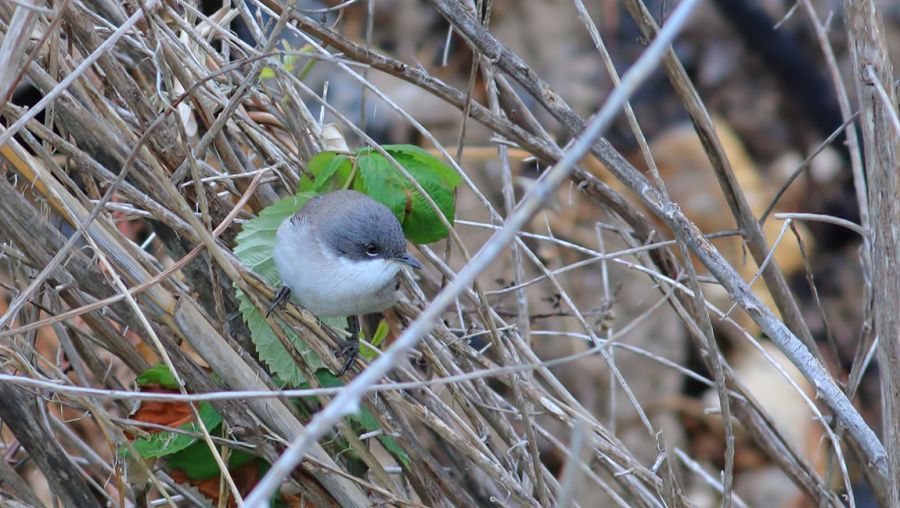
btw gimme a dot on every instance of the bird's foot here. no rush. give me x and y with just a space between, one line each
349 352
281 299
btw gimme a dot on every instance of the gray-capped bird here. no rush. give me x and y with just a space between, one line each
341 255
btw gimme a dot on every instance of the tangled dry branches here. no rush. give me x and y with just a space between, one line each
161 131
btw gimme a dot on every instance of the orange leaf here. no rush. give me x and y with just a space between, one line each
171 414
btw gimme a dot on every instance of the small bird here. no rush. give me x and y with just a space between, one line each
341 255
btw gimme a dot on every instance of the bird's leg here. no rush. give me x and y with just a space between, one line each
350 350
281 299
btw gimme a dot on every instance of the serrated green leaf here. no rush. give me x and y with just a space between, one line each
384 183
158 375
197 462
271 350
437 166
255 244
167 443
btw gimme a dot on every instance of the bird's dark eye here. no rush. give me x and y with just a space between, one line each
372 249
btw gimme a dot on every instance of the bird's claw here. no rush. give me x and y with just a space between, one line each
349 352
280 300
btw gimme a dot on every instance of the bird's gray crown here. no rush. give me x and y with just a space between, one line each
355 226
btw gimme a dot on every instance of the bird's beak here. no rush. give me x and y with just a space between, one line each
406 259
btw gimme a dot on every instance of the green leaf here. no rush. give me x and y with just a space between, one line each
381 332
327 379
158 375
255 244
331 170
423 157
377 338
197 462
384 183
288 62
167 443
322 179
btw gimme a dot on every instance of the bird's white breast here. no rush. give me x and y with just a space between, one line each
329 285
